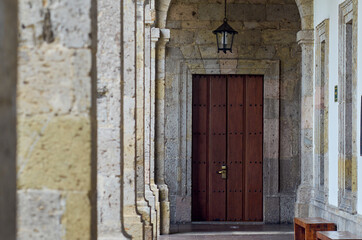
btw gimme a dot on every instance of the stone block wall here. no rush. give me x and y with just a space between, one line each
8 74
55 119
267 30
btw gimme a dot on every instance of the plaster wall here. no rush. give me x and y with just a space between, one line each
55 120
266 31
325 9
8 74
329 9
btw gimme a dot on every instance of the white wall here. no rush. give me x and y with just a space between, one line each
329 9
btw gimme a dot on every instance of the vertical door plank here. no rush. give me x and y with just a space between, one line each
217 148
235 159
254 149
199 148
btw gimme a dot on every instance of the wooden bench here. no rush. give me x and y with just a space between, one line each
307 228
330 235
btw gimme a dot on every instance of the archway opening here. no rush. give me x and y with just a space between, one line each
267 32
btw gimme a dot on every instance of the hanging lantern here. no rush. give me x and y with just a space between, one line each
225 36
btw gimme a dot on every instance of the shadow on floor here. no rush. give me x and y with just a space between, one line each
219 231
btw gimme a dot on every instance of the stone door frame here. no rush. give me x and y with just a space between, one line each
270 69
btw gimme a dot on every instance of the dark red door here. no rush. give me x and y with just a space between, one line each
227 148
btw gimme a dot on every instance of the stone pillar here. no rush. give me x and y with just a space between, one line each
150 188
55 119
132 222
109 120
155 36
8 78
305 39
160 131
142 204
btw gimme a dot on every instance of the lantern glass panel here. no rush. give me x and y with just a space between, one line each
219 38
231 40
224 40
227 40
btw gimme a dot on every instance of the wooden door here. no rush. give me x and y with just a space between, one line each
227 131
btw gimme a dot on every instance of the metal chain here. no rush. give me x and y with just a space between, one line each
225 9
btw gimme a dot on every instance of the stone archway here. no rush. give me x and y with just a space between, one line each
123 218
305 39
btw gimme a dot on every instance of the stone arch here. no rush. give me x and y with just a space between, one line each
162 8
305 38
305 10
306 13
208 63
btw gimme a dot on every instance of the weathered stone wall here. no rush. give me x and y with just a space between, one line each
128 205
267 30
55 120
8 73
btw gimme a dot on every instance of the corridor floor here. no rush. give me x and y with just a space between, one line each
214 231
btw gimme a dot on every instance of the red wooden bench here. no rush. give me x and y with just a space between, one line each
307 228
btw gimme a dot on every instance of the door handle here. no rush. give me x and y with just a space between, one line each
223 172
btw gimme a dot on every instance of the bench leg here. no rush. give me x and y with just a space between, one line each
299 232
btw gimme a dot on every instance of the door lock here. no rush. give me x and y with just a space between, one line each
223 172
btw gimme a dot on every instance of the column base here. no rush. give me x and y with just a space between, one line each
164 209
150 197
156 193
133 226
145 211
165 218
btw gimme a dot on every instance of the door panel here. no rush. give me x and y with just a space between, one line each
217 148
227 130
235 147
199 148
254 149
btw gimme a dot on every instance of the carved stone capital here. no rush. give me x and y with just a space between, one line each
305 37
155 34
165 35
150 17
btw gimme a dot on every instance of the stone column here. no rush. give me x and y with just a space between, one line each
55 120
109 120
150 191
305 39
142 204
155 36
132 223
8 78
160 131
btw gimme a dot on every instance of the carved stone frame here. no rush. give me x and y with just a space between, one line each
347 199
321 89
270 69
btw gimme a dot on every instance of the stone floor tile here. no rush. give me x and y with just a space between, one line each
212 231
